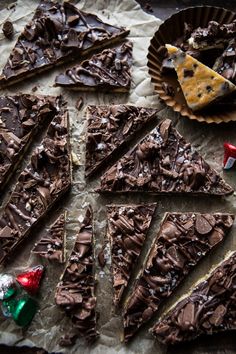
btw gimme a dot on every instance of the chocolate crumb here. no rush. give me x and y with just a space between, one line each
101 258
168 89
34 89
8 29
79 103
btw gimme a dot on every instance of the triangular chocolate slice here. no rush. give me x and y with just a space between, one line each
75 292
163 162
106 71
40 185
200 84
20 118
182 241
58 33
52 244
208 309
127 228
109 129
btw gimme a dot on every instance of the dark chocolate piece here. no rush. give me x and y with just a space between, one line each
127 228
213 36
108 70
58 33
52 244
45 179
179 245
225 64
210 307
163 162
79 103
109 128
8 29
20 119
75 292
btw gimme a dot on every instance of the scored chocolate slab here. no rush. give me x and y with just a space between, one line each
45 179
109 129
163 162
76 290
20 118
182 241
109 71
52 245
209 308
57 33
127 228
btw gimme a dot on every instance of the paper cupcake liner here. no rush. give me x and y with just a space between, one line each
168 32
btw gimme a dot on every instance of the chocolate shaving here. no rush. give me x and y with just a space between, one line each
79 103
210 308
8 29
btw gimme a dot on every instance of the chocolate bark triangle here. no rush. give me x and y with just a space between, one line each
182 241
52 244
208 309
39 186
163 162
58 33
106 71
109 129
76 290
127 228
21 117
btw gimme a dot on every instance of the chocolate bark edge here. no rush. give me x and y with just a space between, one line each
184 312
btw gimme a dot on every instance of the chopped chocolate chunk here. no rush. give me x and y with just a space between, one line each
8 29
109 128
225 64
210 307
215 35
108 70
19 122
52 244
45 179
79 103
75 292
127 228
144 168
177 248
168 89
58 33
101 258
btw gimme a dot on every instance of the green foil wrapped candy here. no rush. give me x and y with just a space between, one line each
22 309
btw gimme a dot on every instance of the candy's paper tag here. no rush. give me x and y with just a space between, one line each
229 163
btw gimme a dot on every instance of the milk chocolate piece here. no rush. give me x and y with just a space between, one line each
178 247
107 71
127 228
58 33
109 128
208 309
163 162
52 244
225 64
45 179
75 292
20 118
213 36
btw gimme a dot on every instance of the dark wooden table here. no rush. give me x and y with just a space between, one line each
217 344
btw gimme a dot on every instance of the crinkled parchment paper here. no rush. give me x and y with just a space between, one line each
50 322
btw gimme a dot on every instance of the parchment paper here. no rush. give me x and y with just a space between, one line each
50 321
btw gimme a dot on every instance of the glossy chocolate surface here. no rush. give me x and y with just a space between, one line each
210 308
45 179
75 292
109 127
108 70
127 229
57 32
20 116
182 241
163 162
52 244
